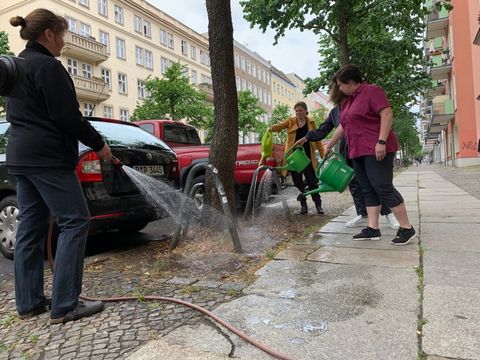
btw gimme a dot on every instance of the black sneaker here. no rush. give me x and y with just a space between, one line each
403 236
368 234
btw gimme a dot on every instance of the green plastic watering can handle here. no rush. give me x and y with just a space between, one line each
329 155
293 148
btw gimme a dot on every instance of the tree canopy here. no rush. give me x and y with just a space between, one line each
248 113
175 98
383 37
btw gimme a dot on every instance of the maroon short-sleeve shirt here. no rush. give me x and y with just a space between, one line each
360 119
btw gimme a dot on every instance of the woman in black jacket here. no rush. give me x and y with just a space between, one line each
42 153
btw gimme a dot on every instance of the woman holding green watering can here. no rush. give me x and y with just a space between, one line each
333 120
297 127
366 121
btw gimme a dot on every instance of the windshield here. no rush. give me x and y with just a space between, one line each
122 135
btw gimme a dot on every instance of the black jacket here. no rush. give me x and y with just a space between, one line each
333 120
47 124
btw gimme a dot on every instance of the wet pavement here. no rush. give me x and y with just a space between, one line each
322 297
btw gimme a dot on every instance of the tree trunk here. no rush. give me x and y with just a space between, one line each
223 150
343 33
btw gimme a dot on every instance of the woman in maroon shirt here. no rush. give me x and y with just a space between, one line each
366 121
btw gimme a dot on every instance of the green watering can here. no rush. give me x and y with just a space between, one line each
295 160
333 174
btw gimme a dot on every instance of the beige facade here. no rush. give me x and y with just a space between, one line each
283 89
252 73
299 88
113 46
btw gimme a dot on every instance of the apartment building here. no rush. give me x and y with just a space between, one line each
283 89
112 47
298 93
252 73
451 122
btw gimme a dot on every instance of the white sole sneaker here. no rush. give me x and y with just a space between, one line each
357 221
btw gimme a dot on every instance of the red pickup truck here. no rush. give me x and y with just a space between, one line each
184 140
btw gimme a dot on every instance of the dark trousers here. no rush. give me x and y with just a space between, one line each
58 192
311 179
359 197
376 180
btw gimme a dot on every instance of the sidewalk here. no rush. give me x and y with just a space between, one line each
327 297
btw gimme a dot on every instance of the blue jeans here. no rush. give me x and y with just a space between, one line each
58 192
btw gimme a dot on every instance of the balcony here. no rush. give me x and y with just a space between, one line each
437 23
443 112
84 48
437 89
94 90
207 89
441 66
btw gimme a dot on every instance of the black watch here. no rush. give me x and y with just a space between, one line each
381 142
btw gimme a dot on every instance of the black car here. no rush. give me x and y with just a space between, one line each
114 201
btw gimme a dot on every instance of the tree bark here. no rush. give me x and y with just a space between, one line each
223 150
343 33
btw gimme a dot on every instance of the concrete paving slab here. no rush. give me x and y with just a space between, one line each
372 257
451 219
452 268
338 287
340 228
297 252
451 237
453 322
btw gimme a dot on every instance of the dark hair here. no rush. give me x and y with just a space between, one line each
39 20
349 72
336 96
302 104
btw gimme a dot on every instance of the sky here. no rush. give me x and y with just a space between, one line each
295 52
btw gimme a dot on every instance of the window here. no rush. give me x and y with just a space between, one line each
118 14
122 83
107 77
268 78
194 77
139 55
164 65
237 81
184 48
148 59
237 60
254 90
254 70
140 89
249 86
181 134
244 84
87 109
87 71
170 41
204 58
104 38
120 48
147 127
269 98
72 67
163 37
206 79
102 7
259 73
249 68
185 71
108 111
263 76
147 28
193 52
124 114
83 2
85 30
72 24
137 24
242 63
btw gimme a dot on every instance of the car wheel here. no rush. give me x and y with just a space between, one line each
8 225
132 227
197 193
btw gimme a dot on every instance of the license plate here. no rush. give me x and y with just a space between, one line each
151 170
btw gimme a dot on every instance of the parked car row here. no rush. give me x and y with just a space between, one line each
113 200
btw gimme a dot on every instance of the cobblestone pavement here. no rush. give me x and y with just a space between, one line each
465 178
123 326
